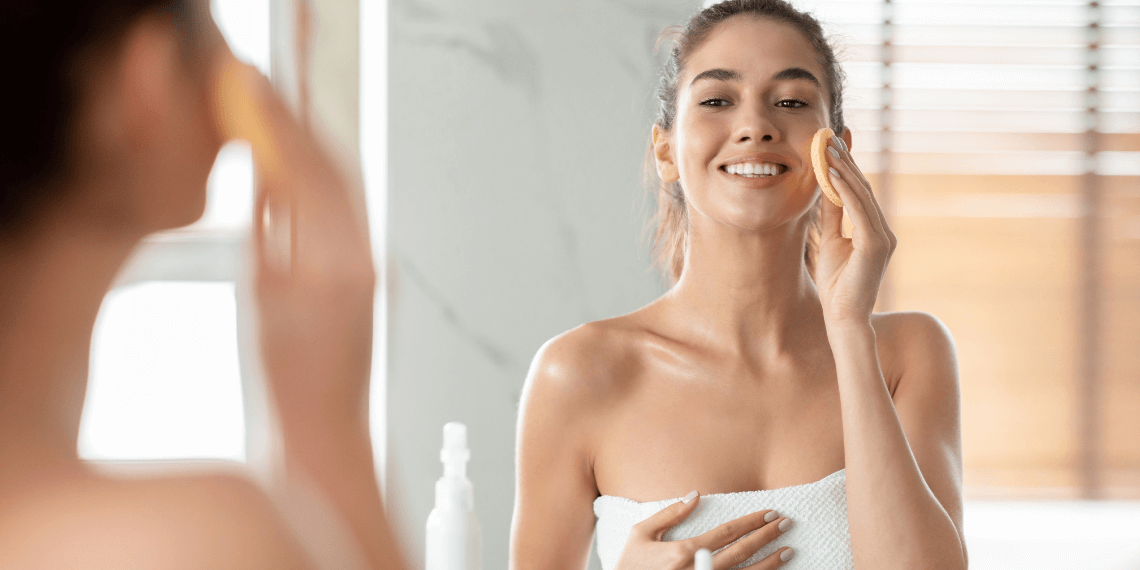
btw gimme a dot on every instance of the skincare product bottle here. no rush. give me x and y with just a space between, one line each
454 541
702 560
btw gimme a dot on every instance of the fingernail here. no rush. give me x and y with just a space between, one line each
833 152
785 525
787 555
839 142
689 498
771 516
835 173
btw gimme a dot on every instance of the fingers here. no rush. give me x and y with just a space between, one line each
774 560
840 158
842 161
730 531
306 218
655 526
861 193
865 228
830 220
745 547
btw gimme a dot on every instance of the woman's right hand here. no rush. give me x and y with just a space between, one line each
644 549
315 285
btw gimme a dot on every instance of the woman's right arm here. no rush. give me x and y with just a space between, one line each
554 495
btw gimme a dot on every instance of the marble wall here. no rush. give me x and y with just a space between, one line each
517 132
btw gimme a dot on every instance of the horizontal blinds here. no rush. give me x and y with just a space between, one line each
983 87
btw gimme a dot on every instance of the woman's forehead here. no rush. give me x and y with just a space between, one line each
754 48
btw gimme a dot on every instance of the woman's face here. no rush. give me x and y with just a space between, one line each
749 99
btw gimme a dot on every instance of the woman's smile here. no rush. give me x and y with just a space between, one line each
757 170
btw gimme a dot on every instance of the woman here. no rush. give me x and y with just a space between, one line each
762 376
108 135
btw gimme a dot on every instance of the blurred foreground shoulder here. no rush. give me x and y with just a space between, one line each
207 521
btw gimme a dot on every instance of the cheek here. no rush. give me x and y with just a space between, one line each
698 143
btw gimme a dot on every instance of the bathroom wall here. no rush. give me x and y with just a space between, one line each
517 131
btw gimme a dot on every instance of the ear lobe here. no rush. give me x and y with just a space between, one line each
847 138
663 154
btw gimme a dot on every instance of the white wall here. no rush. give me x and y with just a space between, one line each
517 130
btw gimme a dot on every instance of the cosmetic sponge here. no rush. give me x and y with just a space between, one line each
238 113
819 164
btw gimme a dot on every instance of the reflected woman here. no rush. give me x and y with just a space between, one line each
759 408
107 134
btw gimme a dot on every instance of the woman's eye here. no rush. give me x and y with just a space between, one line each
714 102
792 103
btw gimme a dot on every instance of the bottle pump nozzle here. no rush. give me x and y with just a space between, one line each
454 454
454 540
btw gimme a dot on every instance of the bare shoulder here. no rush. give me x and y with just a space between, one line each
588 363
920 365
915 339
202 521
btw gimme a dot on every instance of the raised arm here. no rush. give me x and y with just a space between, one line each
903 456
315 286
554 494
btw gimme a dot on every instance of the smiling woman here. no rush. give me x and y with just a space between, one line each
762 380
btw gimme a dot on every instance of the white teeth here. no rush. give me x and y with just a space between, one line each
754 169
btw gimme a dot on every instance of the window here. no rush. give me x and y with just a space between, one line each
1010 170
165 376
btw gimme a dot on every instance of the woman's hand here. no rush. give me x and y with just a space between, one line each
314 278
315 284
849 271
644 549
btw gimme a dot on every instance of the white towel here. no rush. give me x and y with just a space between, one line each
818 511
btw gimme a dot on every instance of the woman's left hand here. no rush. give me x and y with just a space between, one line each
848 271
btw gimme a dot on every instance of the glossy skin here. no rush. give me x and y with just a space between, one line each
144 144
747 374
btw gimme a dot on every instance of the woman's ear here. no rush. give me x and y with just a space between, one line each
847 138
663 154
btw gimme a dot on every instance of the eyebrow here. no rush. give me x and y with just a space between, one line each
788 74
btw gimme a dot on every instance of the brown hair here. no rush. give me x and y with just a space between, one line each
46 40
671 220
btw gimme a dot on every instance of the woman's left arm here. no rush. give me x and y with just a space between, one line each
903 456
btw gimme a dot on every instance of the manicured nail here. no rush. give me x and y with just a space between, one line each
785 525
839 142
787 555
689 498
833 152
835 173
771 516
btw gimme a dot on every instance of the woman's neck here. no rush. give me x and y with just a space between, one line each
52 282
749 292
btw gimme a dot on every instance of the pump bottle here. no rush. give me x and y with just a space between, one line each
454 540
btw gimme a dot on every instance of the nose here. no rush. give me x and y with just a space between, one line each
754 124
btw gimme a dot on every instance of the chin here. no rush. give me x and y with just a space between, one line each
183 214
767 214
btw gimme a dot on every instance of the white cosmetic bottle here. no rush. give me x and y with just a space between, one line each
454 541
